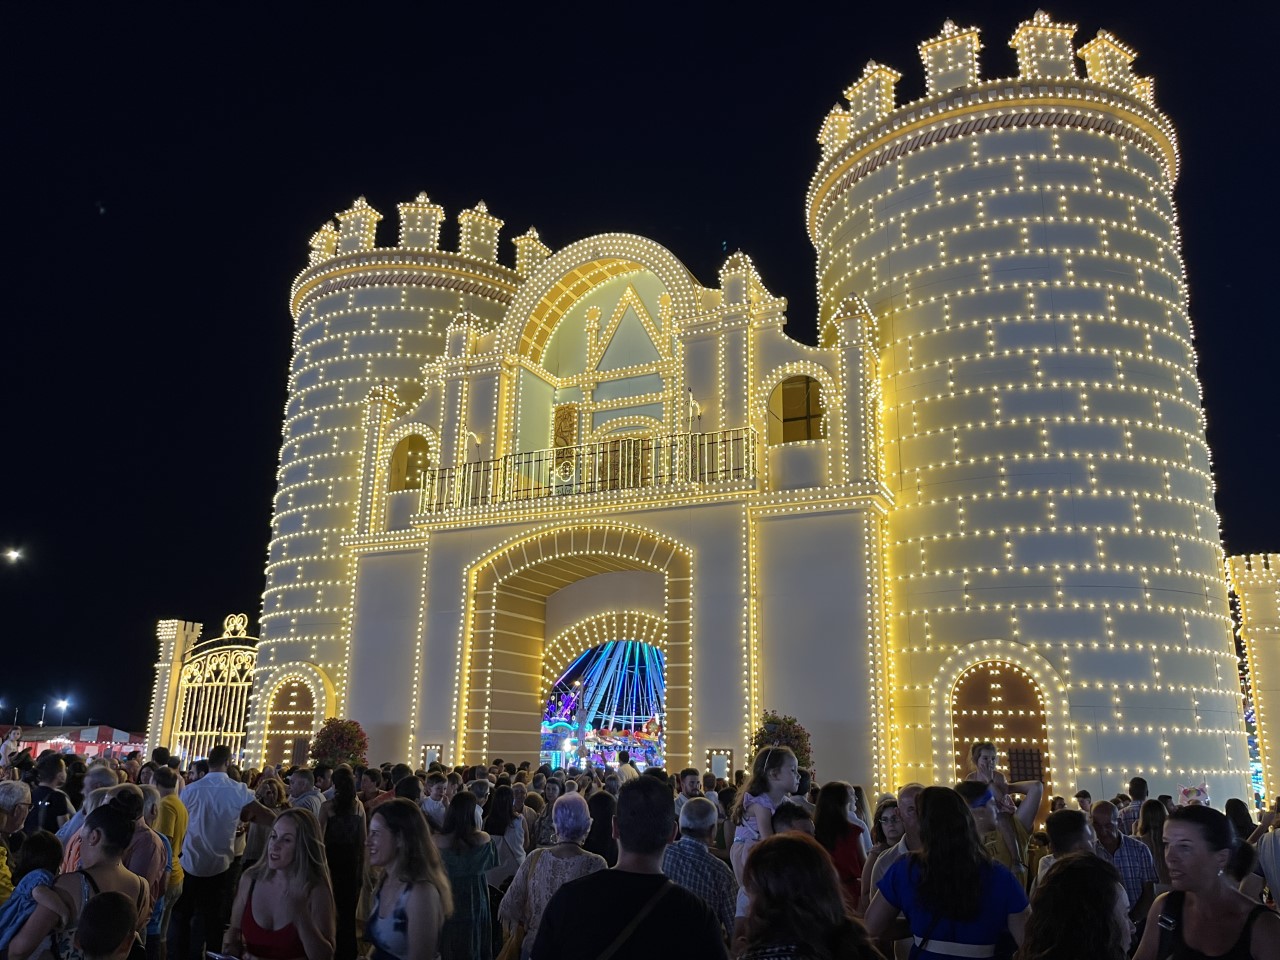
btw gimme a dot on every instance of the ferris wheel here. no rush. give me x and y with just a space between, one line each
619 684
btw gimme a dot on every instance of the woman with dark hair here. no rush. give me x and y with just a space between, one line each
600 840
468 854
1150 830
797 906
1204 915
886 832
507 828
103 839
342 821
413 898
953 895
840 838
1237 812
1080 909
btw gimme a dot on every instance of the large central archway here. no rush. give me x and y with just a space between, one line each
505 657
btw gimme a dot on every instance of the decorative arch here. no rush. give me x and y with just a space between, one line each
286 679
833 406
410 458
1053 689
635 425
810 421
386 468
565 277
502 651
398 435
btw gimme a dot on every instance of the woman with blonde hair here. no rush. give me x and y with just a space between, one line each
284 905
413 897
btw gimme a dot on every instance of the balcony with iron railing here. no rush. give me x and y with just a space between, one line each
682 462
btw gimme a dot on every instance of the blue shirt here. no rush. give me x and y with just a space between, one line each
1002 895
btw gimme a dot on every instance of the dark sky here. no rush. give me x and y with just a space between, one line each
167 168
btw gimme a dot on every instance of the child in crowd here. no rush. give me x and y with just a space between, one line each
774 775
35 866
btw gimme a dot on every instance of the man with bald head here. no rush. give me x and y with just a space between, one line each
1128 855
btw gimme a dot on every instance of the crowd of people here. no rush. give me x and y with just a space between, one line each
143 859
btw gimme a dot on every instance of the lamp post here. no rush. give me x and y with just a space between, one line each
62 717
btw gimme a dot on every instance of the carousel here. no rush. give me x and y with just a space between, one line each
610 699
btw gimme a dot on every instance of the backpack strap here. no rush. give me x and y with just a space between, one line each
631 927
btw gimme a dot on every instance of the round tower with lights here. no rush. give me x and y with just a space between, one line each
366 320
1055 574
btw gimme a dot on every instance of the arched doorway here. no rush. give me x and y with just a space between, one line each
612 697
998 702
290 722
507 662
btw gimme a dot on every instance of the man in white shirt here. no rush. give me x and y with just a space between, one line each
625 770
303 792
215 804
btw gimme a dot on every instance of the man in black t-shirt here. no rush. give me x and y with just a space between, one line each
632 907
50 807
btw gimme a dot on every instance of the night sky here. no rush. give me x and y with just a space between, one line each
167 168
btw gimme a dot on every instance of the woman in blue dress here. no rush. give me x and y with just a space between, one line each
956 901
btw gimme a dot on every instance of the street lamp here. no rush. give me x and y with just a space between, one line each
62 718
13 554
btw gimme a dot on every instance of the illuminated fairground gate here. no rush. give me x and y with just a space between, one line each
628 660
213 692
611 697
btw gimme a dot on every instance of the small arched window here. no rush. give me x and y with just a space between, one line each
408 463
795 411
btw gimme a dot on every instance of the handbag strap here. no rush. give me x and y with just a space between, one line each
630 928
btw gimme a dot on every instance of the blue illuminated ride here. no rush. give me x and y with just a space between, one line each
611 698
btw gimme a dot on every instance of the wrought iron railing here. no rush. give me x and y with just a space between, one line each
626 463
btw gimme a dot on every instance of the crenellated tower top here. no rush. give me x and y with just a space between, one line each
348 255
1048 88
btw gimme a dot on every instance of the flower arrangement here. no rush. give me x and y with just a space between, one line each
779 730
340 741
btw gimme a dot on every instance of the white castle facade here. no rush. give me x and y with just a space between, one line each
981 506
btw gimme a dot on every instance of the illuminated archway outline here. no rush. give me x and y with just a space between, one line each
1053 692
640 548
